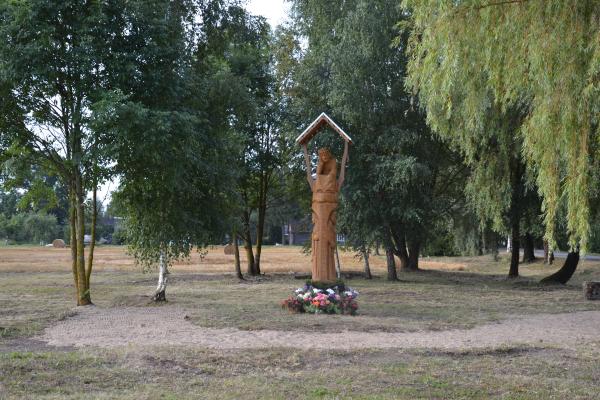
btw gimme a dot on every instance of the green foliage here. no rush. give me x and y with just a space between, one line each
534 60
172 141
400 178
60 61
119 236
31 227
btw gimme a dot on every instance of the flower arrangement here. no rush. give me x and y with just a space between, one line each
333 300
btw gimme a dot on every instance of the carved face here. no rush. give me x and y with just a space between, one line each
324 155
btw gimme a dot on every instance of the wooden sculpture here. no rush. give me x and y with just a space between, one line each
325 187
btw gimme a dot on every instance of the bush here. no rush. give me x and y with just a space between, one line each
30 227
119 236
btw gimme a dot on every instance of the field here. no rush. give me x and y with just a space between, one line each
236 342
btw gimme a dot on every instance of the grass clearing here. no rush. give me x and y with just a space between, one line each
36 290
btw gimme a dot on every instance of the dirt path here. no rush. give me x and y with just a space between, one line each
168 326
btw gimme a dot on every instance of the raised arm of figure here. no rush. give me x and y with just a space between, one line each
309 177
343 167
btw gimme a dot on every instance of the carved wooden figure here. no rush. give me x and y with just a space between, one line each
325 187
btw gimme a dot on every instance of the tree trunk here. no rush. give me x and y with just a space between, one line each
236 253
262 214
73 236
404 259
494 245
88 272
365 255
260 230
528 248
548 255
338 266
83 294
248 244
516 181
513 271
413 256
163 278
399 241
392 275
566 272
481 248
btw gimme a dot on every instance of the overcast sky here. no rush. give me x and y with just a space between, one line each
274 10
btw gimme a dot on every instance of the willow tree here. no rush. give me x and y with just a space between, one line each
537 63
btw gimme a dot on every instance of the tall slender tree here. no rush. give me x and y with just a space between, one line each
242 44
172 143
54 58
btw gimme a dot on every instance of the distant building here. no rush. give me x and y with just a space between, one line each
297 232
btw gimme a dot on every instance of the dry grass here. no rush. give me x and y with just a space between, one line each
276 259
36 290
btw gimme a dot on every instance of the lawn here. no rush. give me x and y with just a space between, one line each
36 291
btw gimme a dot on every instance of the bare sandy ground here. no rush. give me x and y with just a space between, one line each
159 326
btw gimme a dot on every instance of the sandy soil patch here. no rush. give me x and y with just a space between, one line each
157 326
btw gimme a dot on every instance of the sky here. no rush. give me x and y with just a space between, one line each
274 10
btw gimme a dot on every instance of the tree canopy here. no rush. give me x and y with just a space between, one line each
534 59
401 179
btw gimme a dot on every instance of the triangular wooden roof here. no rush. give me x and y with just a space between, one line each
316 125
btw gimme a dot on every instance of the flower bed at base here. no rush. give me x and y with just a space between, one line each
337 299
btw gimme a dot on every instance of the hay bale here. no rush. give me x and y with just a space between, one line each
59 244
229 250
591 290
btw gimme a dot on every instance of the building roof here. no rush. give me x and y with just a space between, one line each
316 125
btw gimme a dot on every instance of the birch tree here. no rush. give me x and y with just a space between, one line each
172 143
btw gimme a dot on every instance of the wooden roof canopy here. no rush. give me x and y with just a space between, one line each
316 126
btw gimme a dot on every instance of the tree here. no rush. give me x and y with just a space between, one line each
400 178
242 44
536 62
173 152
55 58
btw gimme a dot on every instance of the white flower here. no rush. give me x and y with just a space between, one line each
330 291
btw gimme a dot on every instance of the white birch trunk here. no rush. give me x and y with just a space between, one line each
163 278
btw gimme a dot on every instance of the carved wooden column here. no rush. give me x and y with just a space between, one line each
325 187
